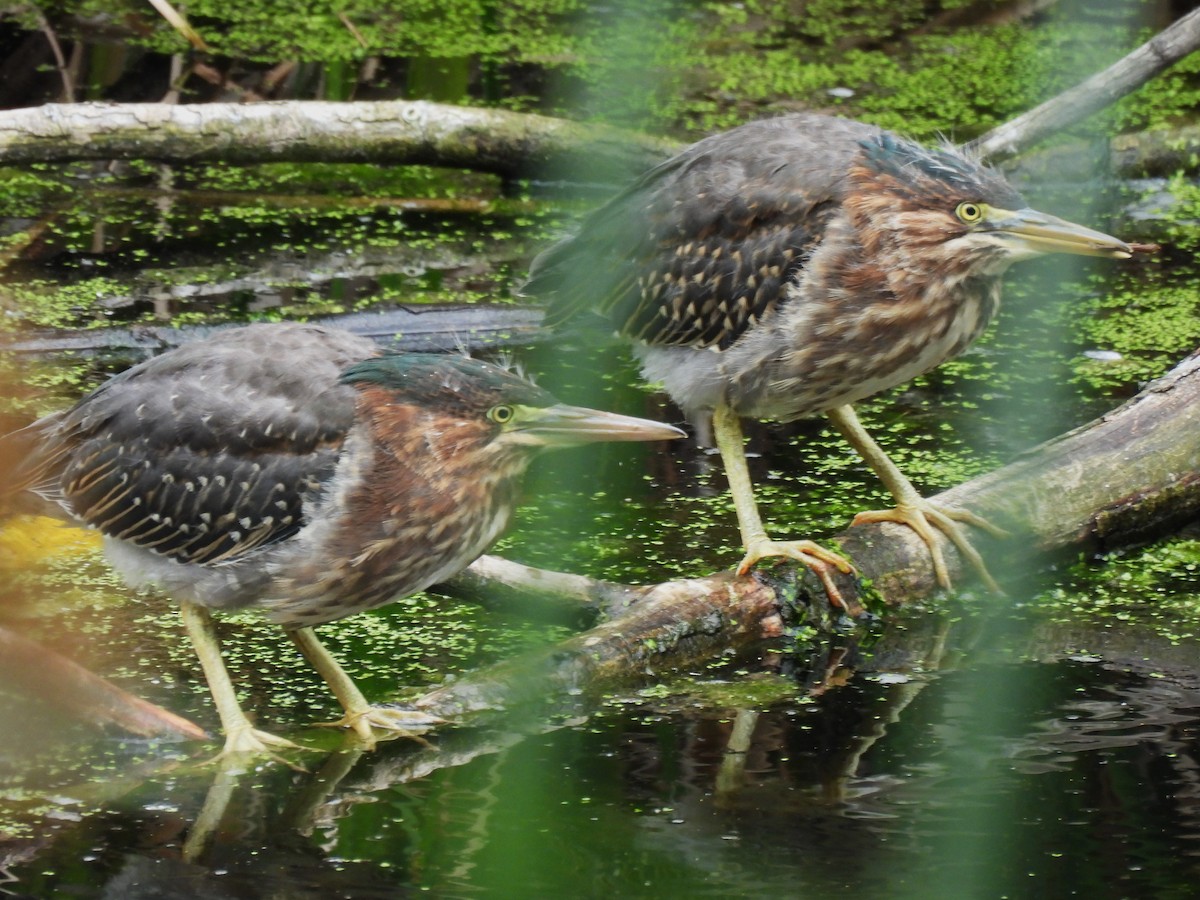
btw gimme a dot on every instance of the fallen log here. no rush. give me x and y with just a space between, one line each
510 144
433 327
394 132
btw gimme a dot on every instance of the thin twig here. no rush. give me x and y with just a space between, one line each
60 61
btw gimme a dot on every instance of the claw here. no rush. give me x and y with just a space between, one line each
812 555
912 509
922 517
728 434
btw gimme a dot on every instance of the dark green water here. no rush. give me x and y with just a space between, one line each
1052 779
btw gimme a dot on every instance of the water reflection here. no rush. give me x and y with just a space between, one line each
901 779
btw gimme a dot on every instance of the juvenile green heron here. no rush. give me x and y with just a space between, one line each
299 470
794 266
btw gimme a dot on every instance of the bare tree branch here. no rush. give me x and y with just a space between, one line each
1103 89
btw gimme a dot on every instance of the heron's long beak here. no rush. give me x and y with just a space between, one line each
563 426
1032 233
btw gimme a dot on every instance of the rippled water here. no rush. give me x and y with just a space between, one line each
1070 777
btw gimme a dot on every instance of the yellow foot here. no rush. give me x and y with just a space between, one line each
923 517
810 554
394 723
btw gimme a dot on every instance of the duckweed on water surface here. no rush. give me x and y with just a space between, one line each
649 533
114 259
143 243
66 595
1156 587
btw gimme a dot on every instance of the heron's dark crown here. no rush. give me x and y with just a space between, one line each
926 176
448 383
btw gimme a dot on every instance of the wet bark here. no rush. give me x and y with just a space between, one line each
1122 479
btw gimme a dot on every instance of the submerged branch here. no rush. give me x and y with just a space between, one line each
432 327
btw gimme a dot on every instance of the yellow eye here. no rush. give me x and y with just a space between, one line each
501 415
969 213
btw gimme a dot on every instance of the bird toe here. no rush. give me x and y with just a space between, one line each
247 743
810 554
923 518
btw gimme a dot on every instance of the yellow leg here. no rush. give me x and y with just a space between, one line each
727 431
361 716
912 509
240 735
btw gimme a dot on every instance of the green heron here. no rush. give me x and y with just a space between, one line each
794 266
299 470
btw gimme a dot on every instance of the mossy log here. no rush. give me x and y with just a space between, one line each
1122 479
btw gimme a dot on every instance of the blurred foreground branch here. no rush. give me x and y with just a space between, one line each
50 679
